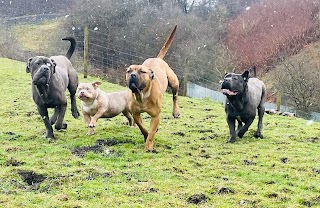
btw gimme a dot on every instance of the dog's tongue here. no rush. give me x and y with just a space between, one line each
228 92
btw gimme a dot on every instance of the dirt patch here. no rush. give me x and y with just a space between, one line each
284 159
98 147
313 139
12 135
206 131
226 190
13 162
273 195
316 171
179 133
31 177
197 199
248 162
81 151
311 202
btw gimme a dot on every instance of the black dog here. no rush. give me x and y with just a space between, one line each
244 96
50 79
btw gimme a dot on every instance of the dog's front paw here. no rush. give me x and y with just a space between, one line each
176 114
90 132
50 135
75 114
240 133
62 126
258 134
92 125
231 140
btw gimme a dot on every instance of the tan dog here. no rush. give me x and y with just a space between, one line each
148 82
96 104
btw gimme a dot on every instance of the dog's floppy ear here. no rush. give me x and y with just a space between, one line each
54 66
96 84
245 75
151 73
28 65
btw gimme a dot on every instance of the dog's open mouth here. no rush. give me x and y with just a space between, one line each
83 97
229 92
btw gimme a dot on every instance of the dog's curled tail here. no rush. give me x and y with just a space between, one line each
167 44
72 46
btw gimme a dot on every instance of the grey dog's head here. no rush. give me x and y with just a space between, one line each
41 69
234 84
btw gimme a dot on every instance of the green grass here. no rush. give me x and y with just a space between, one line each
192 158
34 37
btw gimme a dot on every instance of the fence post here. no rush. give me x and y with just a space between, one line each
279 100
185 77
86 52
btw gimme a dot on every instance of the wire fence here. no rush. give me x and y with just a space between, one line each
111 60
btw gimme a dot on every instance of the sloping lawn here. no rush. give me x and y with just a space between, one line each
192 165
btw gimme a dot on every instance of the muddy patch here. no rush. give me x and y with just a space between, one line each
313 140
311 202
249 162
197 199
13 162
31 177
284 160
179 133
12 136
99 147
226 190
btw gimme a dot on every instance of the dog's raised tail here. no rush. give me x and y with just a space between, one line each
72 47
167 44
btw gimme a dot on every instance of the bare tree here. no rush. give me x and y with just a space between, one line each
298 80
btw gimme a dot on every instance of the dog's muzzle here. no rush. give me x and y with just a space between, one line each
225 87
133 83
42 76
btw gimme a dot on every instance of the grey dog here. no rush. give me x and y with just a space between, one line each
244 96
50 79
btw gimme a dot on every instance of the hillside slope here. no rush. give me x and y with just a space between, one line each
192 165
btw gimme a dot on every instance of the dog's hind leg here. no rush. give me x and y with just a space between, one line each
72 87
174 85
129 117
258 133
54 117
62 111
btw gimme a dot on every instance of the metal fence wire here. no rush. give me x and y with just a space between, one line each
111 61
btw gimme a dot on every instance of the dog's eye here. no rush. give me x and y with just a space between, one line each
87 88
129 71
143 72
235 78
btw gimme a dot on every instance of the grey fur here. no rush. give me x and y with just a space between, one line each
244 97
50 79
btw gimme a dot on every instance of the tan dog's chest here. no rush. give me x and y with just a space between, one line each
91 109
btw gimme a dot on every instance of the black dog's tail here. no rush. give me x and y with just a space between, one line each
72 46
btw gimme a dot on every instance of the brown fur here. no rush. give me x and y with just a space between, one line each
148 83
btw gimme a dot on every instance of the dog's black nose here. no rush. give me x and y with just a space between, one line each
133 76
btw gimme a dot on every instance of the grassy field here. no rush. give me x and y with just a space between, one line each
192 165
